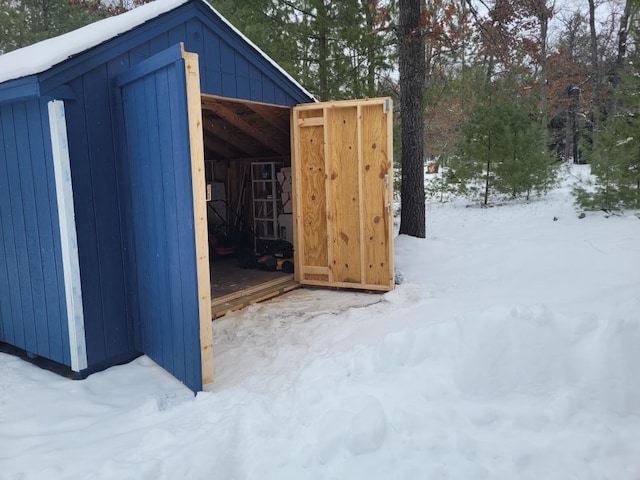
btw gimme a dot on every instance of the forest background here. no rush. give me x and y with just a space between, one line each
512 88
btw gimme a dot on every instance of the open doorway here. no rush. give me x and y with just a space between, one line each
249 205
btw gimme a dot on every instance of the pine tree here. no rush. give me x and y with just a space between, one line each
526 166
336 49
472 169
503 148
615 154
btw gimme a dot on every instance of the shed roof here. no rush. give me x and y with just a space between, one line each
41 56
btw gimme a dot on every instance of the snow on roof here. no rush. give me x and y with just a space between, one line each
40 56
43 55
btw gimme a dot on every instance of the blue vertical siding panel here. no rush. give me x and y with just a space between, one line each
229 85
141 169
228 69
133 183
210 64
84 198
49 228
190 328
9 289
281 97
268 92
113 319
151 164
242 66
32 301
28 149
194 41
242 77
14 228
25 326
255 77
47 332
115 68
177 34
243 88
6 316
170 223
227 58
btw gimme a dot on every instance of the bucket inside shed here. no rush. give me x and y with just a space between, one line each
249 201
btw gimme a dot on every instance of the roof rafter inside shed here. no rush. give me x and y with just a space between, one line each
240 129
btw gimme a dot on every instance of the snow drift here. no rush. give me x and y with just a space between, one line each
510 350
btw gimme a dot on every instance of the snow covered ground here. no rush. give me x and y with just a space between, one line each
511 350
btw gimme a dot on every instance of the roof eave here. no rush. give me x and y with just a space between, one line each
19 89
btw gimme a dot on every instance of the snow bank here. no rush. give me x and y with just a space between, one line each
510 350
538 352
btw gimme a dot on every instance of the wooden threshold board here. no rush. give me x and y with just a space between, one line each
243 298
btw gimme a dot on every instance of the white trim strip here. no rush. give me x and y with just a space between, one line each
68 236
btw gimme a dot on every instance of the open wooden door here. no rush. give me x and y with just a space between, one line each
164 207
342 159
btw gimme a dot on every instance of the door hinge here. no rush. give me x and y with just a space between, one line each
387 105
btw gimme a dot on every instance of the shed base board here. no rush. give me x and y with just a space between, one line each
65 370
255 294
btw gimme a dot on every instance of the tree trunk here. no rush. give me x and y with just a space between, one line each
323 50
412 78
543 13
370 49
486 178
595 75
623 34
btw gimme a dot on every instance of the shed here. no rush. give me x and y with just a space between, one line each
141 155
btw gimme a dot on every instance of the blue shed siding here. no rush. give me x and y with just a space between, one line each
92 157
20 89
32 297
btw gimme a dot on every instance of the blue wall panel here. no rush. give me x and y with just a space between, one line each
32 300
86 219
93 169
106 210
228 67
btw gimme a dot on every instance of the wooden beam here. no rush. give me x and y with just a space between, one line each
344 103
237 121
219 148
207 98
244 298
216 127
311 122
194 112
271 115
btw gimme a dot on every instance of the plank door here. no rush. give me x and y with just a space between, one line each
342 159
165 212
